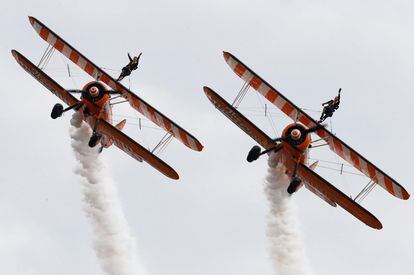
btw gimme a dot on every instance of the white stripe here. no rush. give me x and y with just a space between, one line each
81 63
380 180
37 27
232 63
192 143
263 89
159 120
95 73
66 50
176 132
279 102
144 111
397 191
347 154
51 39
247 76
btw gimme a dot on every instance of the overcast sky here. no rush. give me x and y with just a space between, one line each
213 220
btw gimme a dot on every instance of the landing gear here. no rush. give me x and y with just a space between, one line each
57 111
94 139
254 153
294 184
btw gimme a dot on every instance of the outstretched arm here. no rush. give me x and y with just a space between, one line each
129 56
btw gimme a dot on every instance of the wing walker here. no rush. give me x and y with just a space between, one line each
294 143
96 107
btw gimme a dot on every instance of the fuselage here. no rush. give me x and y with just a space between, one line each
95 97
295 142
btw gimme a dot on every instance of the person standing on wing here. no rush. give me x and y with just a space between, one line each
330 107
131 66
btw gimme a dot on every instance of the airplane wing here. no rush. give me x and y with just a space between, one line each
97 73
320 194
296 114
44 79
241 121
329 191
132 148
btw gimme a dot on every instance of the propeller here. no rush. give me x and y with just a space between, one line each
112 92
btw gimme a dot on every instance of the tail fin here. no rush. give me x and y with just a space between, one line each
120 125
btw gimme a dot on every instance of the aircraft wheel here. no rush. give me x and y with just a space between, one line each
254 153
57 111
94 140
294 184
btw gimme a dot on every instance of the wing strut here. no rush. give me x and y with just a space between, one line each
242 93
160 147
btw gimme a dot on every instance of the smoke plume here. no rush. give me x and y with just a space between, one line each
286 247
112 240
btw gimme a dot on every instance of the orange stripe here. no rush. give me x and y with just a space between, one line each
183 137
167 125
338 148
371 172
226 55
44 33
74 57
152 114
355 160
89 68
255 82
240 70
306 121
104 78
59 45
287 108
389 185
271 95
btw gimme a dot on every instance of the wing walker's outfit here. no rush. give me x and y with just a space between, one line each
131 66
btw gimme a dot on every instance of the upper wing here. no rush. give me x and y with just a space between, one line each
132 148
97 73
332 193
295 113
238 119
44 79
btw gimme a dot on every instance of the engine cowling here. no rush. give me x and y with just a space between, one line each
296 135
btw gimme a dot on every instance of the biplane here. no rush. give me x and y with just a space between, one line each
294 143
96 107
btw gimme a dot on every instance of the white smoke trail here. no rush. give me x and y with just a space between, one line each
286 247
113 243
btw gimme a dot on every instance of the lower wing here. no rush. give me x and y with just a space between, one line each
332 193
44 79
132 148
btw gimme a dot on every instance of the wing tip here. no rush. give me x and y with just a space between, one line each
15 53
405 195
199 146
174 175
377 225
32 20
226 55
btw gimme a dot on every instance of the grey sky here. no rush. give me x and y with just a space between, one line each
212 221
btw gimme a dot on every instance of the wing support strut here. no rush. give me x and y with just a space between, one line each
160 147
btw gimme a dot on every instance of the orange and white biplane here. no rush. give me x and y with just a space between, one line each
295 142
95 104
